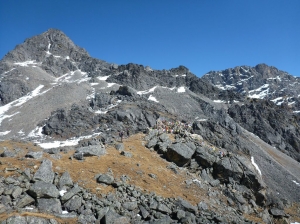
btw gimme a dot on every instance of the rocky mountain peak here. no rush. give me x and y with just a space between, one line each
52 43
262 82
55 99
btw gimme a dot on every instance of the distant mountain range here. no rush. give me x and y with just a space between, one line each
54 94
261 82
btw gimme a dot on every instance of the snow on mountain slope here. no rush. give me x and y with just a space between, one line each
261 81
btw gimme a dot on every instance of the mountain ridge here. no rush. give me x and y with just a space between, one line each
58 97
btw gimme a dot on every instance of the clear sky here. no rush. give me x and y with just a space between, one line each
202 35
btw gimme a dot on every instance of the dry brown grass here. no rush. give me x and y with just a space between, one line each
142 163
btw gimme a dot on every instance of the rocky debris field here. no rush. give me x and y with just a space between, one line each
53 186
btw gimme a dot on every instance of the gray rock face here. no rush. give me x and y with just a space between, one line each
41 189
179 153
45 172
51 205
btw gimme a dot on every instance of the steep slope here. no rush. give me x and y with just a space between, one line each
58 97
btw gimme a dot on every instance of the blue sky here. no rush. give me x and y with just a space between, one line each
201 35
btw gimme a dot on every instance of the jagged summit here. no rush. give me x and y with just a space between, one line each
261 81
52 42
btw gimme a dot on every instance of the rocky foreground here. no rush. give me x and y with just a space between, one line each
132 183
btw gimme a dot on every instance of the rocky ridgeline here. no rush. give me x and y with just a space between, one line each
261 81
234 175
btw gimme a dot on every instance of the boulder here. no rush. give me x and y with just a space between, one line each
34 155
92 150
186 205
45 172
111 217
152 142
144 211
105 178
179 153
74 203
26 200
130 205
41 189
163 208
204 158
277 212
51 205
65 180
126 154
70 194
119 146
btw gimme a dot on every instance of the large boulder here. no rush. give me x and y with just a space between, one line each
203 157
111 217
41 189
74 203
65 180
92 150
179 153
51 205
45 172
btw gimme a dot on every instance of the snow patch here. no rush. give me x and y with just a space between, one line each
100 112
26 63
7 71
68 142
277 99
181 89
298 184
37 132
255 165
103 78
64 212
219 101
62 192
19 102
30 95
4 133
147 91
152 98
110 84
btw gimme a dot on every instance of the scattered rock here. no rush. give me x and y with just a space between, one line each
41 189
45 172
34 155
126 154
105 178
